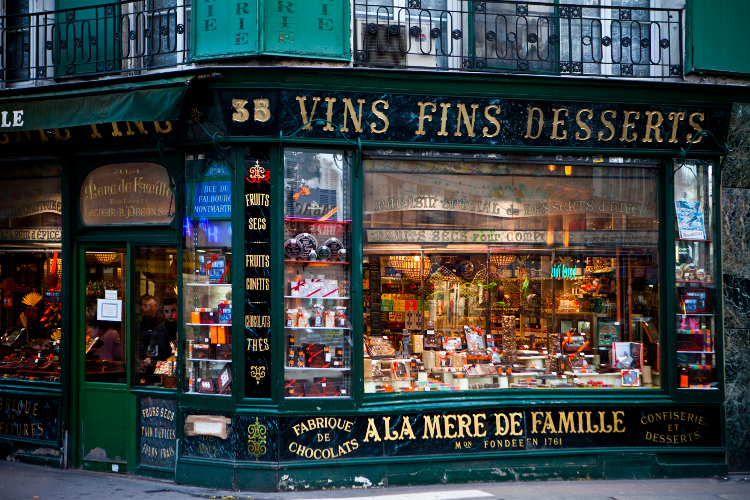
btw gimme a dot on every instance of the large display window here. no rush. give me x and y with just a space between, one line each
31 266
489 273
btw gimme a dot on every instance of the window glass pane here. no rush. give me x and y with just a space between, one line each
106 301
207 277
694 274
154 304
31 267
482 273
317 232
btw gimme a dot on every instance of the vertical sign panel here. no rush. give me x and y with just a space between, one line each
158 432
225 28
307 27
257 279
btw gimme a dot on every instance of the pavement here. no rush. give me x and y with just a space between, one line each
22 481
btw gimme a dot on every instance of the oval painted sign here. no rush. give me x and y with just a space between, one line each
127 194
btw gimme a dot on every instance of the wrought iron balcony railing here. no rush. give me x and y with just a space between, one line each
589 38
127 36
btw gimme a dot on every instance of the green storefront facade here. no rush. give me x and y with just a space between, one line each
501 237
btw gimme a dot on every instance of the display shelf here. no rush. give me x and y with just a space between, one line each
208 324
311 298
316 221
697 314
226 285
317 262
316 328
696 352
205 360
311 368
696 281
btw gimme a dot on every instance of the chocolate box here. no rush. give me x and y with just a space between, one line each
202 351
223 351
317 356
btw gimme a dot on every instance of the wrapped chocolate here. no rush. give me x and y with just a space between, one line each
291 318
317 318
303 318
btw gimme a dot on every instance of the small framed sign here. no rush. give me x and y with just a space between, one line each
207 385
224 378
108 310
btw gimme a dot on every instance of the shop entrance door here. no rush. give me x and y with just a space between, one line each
105 404
126 338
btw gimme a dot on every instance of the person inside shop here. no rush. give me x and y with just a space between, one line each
148 323
166 333
108 346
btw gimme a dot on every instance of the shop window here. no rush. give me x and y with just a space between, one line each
31 266
317 294
695 276
482 273
107 337
207 276
154 305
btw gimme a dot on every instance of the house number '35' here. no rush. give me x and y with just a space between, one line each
261 111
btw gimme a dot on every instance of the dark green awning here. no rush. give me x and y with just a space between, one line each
156 100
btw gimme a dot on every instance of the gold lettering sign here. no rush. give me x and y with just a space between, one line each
127 193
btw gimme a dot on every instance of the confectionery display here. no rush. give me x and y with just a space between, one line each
694 275
317 302
437 322
30 344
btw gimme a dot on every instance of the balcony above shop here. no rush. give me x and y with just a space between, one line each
119 37
606 38
630 39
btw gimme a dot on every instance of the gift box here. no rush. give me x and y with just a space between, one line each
313 390
417 342
699 376
223 351
314 288
290 321
298 288
317 356
329 319
410 305
631 378
206 316
202 351
399 306
330 288
386 305
294 388
303 318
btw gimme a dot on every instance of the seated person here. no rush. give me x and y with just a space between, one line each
109 346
